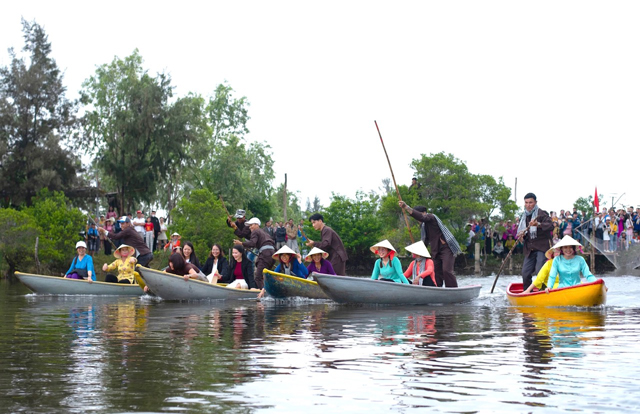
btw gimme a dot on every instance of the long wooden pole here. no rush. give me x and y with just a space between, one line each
406 220
508 257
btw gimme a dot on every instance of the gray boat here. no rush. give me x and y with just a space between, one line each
172 287
346 289
55 285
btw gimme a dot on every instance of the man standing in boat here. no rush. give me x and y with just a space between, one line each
239 227
330 243
442 245
130 237
259 239
536 241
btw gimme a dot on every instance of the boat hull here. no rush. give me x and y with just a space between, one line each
54 285
282 286
346 289
584 294
172 287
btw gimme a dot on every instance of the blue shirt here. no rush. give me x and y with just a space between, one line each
297 269
569 271
85 263
393 271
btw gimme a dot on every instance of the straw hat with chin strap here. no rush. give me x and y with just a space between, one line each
566 241
284 250
313 251
384 243
418 248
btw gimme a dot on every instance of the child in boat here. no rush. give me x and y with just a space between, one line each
421 269
542 279
319 262
290 263
387 267
568 266
125 263
173 243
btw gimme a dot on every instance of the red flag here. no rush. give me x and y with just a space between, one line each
596 202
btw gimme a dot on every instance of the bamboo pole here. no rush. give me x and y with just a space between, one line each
406 220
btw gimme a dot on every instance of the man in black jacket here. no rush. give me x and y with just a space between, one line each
156 230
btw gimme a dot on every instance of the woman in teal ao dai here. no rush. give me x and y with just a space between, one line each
387 267
568 266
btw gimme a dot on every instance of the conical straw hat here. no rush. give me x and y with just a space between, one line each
419 249
283 250
116 254
566 241
313 251
384 243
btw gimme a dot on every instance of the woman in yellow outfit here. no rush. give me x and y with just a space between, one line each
541 280
125 263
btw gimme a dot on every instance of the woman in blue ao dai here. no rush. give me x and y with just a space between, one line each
387 267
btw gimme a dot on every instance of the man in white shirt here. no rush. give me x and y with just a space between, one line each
138 223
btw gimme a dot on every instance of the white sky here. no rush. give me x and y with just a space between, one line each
544 91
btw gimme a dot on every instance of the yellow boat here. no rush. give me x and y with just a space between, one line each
281 286
584 294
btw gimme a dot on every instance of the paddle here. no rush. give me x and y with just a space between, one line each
406 220
509 256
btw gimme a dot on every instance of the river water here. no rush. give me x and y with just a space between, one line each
112 355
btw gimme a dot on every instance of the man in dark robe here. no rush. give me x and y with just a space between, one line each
330 243
442 245
259 239
132 238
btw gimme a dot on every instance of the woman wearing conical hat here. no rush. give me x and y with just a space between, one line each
125 263
568 266
420 270
319 262
290 263
387 267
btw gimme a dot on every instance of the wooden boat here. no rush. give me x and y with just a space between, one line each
584 294
346 289
55 285
172 287
280 286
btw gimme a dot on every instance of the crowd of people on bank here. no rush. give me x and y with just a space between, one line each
614 230
151 228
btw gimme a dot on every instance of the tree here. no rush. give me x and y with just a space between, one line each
35 118
18 232
133 131
201 219
585 204
239 171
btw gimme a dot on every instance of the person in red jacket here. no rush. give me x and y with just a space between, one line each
420 270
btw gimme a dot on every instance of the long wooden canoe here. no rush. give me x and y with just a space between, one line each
282 286
172 287
584 294
346 289
54 285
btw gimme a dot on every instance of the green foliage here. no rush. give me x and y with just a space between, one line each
356 221
59 224
201 219
35 117
586 204
239 171
18 232
133 131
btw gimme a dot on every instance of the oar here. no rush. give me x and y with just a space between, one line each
227 211
406 220
509 256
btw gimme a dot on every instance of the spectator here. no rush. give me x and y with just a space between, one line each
108 226
268 227
138 223
156 230
148 233
111 214
281 236
175 242
93 239
162 236
292 236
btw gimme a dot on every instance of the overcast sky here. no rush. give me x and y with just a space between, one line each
546 91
